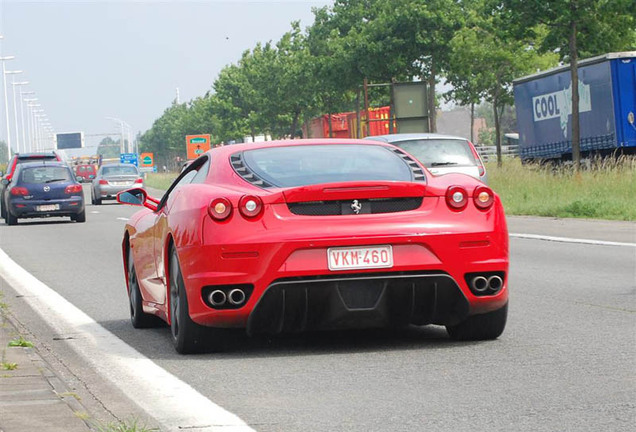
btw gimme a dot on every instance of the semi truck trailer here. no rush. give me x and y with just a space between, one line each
607 94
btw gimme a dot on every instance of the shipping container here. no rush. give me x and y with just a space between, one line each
344 125
607 92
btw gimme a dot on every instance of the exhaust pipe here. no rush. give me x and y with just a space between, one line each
236 297
217 298
479 283
495 283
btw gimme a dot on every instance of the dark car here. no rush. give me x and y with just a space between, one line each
43 189
17 159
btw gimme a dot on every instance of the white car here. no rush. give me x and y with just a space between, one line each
440 154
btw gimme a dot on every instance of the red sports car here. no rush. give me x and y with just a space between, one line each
288 236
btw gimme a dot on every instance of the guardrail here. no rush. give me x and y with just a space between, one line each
490 152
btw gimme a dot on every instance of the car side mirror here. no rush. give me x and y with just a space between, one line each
5 181
137 197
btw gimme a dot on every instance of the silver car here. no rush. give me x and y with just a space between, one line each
112 179
440 154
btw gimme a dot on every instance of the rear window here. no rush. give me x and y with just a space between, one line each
314 164
440 152
119 170
45 174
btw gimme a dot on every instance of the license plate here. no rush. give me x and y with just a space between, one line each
121 183
50 207
365 257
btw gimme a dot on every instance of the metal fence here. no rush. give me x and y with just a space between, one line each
490 152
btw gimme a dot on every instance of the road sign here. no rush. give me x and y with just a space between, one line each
146 160
147 169
128 158
197 145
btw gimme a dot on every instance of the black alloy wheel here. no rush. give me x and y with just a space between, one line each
79 217
187 336
10 218
486 326
138 317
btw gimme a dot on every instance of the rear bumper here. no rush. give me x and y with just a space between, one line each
29 208
111 191
293 288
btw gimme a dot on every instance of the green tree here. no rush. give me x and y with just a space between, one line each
575 28
484 60
109 148
3 153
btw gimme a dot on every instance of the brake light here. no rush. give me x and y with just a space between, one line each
71 189
220 209
19 191
103 182
250 206
456 198
483 198
139 180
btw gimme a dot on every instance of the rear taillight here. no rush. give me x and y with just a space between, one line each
139 180
19 191
483 198
71 189
456 198
220 209
250 206
103 182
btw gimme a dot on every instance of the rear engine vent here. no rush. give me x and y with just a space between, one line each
345 207
418 173
241 169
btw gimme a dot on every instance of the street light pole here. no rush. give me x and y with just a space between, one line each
15 111
22 94
30 107
6 101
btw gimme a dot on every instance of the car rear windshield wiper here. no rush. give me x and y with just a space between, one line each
55 180
443 163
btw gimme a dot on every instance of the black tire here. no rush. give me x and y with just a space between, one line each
138 317
3 210
10 218
480 327
79 217
94 200
187 336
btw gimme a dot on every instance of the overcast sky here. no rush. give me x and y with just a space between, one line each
88 60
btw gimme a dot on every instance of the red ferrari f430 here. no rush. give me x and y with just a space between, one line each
299 235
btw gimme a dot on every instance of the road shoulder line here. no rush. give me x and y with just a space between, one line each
173 403
570 240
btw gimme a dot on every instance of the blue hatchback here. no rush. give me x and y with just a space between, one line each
43 189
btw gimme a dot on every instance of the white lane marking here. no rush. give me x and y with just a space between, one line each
123 218
172 402
571 240
95 212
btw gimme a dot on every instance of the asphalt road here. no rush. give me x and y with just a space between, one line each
566 362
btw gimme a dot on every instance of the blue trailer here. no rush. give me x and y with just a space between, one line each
607 92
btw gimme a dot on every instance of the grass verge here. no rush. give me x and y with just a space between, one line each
604 189
161 181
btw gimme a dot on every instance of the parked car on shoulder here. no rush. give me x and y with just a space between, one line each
17 159
112 179
300 235
85 172
43 189
441 154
